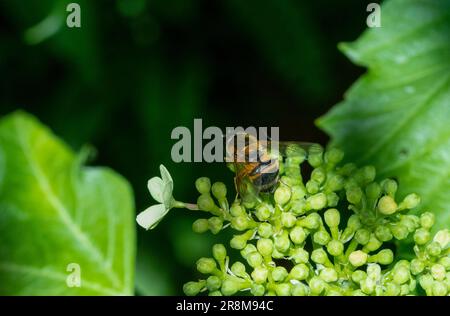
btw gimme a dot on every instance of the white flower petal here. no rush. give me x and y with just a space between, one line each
165 175
149 218
156 187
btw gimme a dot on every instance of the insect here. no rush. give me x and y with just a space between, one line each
257 163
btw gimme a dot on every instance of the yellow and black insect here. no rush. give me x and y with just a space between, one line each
257 163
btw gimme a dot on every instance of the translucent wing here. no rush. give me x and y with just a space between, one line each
292 149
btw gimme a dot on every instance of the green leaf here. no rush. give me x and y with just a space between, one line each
150 217
56 214
396 116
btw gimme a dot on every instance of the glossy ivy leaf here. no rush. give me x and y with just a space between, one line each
396 116
161 189
60 221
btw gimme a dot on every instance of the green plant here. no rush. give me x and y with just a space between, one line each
56 214
331 234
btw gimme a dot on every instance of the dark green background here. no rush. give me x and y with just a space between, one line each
138 68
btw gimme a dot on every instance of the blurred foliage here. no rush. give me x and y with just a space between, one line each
138 68
56 213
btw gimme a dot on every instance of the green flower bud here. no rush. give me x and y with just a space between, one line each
317 201
315 158
411 222
399 231
332 217
358 276
203 185
279 274
335 182
368 285
358 258
385 256
354 222
347 234
332 199
374 271
249 248
200 226
215 224
249 202
237 210
392 289
348 169
260 274
240 223
335 248
206 203
288 220
426 282
317 285
362 236
215 293
312 221
373 191
438 272
193 288
238 269
265 247
219 190
231 286
299 272
312 187
417 266
277 255
445 261
434 249
254 259
283 289
373 244
219 252
422 236
265 230
298 207
206 265
354 194
300 255
333 156
319 256
401 275
297 192
383 233
282 242
257 290
328 275
387 205
213 283
366 174
389 187
300 289
298 235
282 195
442 237
409 202
264 211
239 241
427 220
321 237
439 289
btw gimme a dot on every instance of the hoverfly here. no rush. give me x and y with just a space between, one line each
257 163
